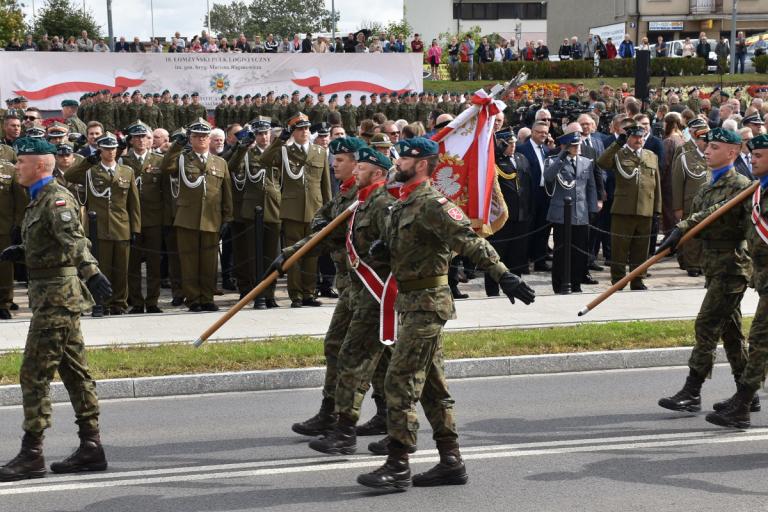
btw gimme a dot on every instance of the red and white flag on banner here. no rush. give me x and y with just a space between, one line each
466 170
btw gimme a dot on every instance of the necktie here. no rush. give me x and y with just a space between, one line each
543 157
202 158
588 142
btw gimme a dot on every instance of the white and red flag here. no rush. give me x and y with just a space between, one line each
466 170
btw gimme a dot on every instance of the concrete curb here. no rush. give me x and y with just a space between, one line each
313 377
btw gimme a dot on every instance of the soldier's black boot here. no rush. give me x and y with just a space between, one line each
320 423
737 415
688 398
29 463
382 447
89 456
377 425
449 471
394 475
341 440
754 406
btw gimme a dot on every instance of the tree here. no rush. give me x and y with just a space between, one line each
11 21
395 28
278 17
62 18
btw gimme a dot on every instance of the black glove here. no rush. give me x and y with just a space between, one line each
319 225
16 235
276 266
100 287
514 287
179 138
285 135
379 250
622 139
671 241
13 253
95 157
77 138
122 143
246 137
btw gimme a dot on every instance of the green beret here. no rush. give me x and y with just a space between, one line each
371 156
759 142
418 147
33 146
346 145
69 103
724 136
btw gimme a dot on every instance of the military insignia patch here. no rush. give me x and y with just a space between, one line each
60 202
456 213
66 216
442 200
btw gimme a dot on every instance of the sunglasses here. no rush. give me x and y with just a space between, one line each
393 133
30 118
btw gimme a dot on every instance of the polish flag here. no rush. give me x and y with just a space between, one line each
72 83
466 170
336 82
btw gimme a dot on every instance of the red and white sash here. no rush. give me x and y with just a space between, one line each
761 226
385 292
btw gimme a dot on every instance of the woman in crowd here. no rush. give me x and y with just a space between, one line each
433 56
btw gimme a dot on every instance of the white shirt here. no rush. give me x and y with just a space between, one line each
202 156
110 170
141 157
539 150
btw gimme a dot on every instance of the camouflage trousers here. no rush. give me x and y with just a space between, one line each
334 337
416 373
363 360
55 343
720 318
689 255
754 373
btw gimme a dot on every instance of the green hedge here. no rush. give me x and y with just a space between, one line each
581 68
761 64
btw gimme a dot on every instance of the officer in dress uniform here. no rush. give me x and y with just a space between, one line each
203 205
13 200
306 187
112 193
148 247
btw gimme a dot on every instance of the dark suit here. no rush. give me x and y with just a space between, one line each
537 248
122 47
653 143
742 167
593 150
510 241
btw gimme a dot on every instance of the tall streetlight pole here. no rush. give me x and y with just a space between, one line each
152 14
333 22
208 18
734 14
109 26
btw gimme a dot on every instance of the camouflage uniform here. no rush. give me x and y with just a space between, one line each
727 268
56 251
421 234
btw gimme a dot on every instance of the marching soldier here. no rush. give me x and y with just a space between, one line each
636 199
111 192
203 205
348 115
56 252
689 174
344 163
150 113
422 231
148 247
69 113
306 187
727 268
260 187
13 200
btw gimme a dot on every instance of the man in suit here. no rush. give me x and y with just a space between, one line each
306 187
570 175
514 175
637 200
592 147
535 150
93 132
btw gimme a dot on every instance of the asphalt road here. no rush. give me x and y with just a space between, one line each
582 442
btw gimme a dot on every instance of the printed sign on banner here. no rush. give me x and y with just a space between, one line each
48 78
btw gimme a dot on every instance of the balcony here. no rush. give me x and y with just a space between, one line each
703 6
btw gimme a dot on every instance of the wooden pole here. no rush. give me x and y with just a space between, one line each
263 285
739 198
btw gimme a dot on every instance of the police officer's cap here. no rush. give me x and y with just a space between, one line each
139 128
381 140
69 103
634 130
752 119
506 136
570 139
321 129
35 132
33 146
200 126
57 129
371 156
64 150
107 141
298 120
260 125
418 147
759 142
724 136
345 145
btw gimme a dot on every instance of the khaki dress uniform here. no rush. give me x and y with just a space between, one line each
13 201
689 173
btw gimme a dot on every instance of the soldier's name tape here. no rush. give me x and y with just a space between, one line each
279 467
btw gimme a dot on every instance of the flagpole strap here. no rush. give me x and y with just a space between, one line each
761 226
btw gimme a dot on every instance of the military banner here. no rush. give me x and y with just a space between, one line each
47 78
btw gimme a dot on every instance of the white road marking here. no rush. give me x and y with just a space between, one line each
307 465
